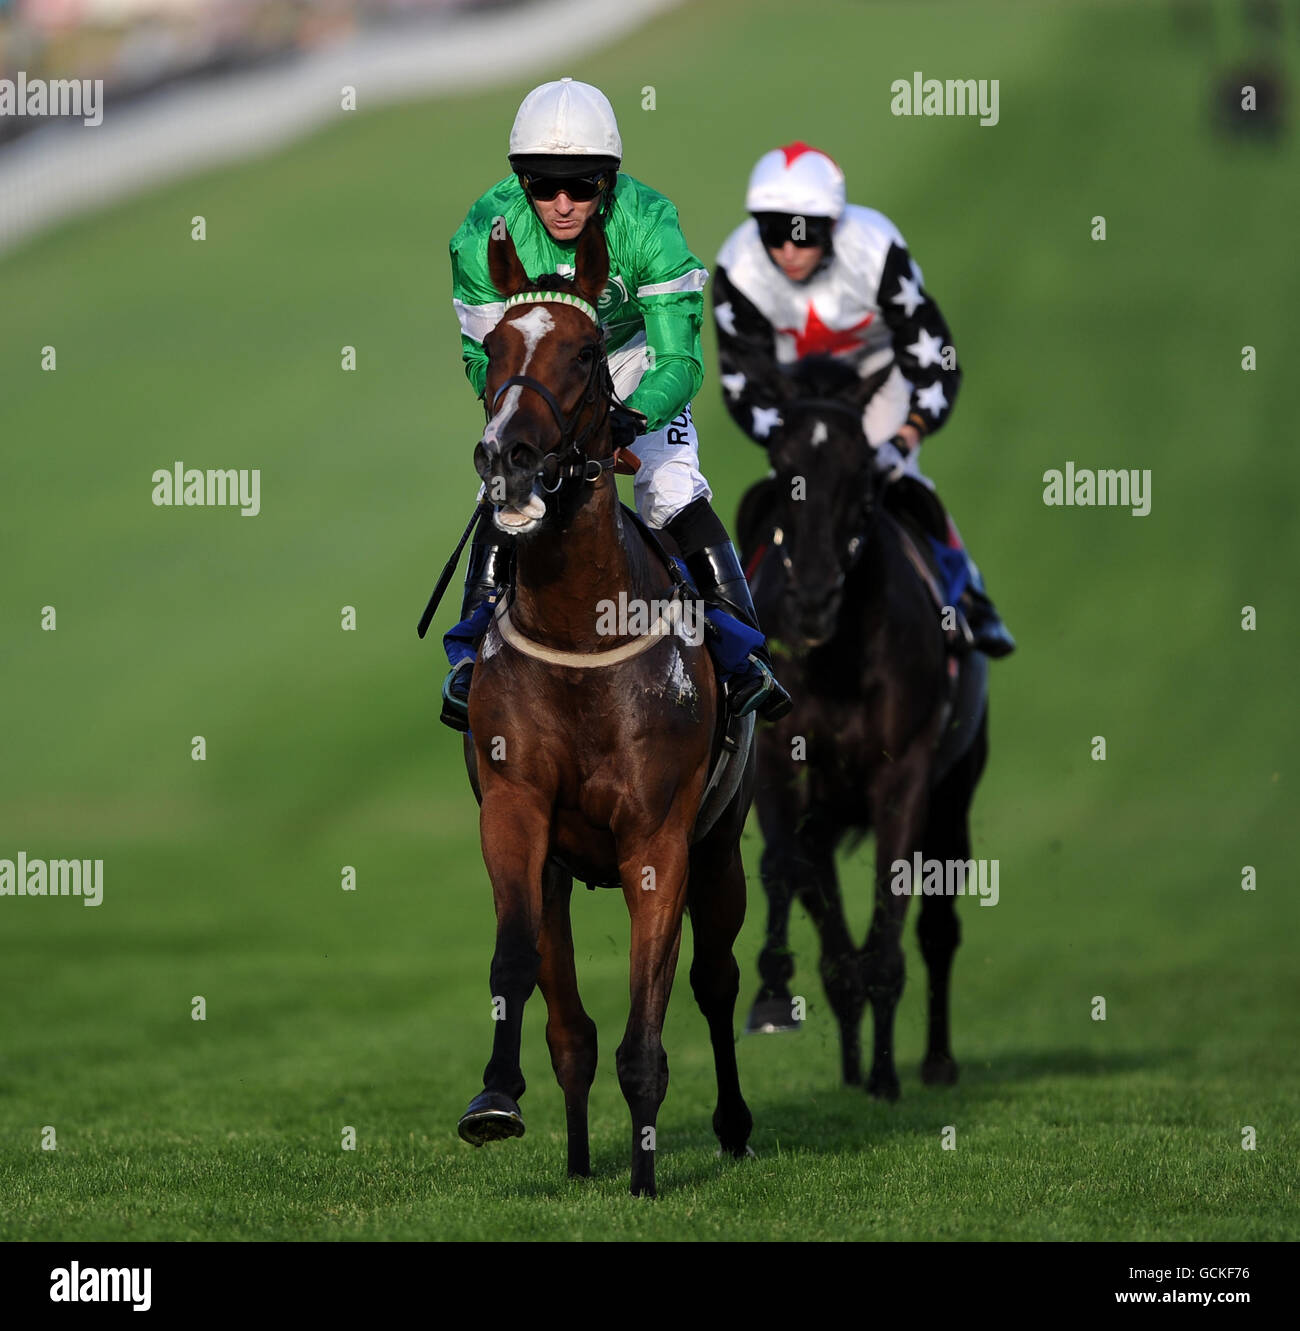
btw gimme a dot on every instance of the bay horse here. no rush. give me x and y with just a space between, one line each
589 754
887 733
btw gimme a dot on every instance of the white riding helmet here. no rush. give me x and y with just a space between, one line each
797 180
566 119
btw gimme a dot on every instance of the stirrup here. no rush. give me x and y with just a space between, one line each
993 640
455 697
762 694
988 633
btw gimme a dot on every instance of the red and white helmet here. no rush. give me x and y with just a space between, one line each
798 180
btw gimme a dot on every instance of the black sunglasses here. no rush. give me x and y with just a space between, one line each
581 189
804 233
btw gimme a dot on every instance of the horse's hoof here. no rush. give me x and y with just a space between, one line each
491 1117
939 1070
748 1153
769 1016
883 1088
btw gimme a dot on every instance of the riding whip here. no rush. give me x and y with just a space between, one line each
431 609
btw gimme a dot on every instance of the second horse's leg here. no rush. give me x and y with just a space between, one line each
819 892
717 903
899 805
947 837
780 810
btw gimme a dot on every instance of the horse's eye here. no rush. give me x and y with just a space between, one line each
586 355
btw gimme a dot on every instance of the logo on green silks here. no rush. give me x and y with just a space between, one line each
613 298
614 295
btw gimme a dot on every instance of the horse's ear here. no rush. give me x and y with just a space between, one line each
504 268
593 262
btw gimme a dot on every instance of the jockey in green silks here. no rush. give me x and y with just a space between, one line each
565 153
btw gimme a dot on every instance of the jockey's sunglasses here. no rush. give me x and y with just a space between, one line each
581 189
804 233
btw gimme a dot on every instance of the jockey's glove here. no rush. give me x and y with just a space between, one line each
625 423
891 459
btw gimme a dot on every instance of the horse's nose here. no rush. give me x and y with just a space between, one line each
482 461
817 613
506 458
509 468
522 456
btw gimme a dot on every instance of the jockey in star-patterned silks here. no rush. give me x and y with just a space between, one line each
565 153
811 275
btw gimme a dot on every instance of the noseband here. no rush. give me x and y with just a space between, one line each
570 462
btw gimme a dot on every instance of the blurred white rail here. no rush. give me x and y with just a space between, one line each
64 167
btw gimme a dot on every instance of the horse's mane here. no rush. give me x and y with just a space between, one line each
823 376
549 282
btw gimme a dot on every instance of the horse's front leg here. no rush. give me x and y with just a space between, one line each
899 804
947 837
654 877
773 1007
780 811
570 1032
717 905
514 827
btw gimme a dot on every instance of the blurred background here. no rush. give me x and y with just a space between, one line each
138 46
327 229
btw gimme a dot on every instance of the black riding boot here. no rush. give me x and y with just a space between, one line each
986 626
922 503
488 573
712 561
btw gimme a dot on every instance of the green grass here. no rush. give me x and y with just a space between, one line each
371 1009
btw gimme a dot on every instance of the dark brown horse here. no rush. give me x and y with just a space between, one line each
885 735
590 754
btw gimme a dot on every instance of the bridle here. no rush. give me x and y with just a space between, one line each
570 462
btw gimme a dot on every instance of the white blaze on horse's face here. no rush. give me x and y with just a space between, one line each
533 325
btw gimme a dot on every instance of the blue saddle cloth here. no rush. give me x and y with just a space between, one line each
953 569
461 641
729 641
